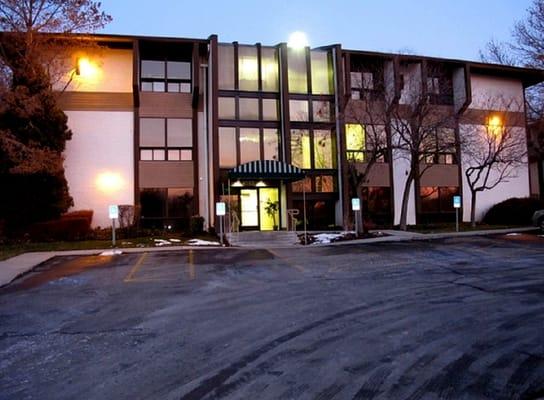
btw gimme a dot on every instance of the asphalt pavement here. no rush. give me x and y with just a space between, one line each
457 318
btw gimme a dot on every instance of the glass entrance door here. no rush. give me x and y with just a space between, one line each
249 202
269 208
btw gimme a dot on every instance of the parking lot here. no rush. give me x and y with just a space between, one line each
455 319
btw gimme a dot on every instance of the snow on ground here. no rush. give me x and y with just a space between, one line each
513 234
162 242
199 242
111 252
324 238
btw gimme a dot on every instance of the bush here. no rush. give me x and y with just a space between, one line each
514 211
75 225
196 226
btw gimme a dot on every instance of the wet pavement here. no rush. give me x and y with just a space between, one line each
449 319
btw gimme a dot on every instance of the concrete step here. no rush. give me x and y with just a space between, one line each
263 239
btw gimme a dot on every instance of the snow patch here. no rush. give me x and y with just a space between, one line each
112 252
199 242
162 242
513 234
324 238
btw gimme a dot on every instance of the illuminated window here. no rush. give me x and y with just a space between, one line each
355 142
227 108
322 111
269 69
322 72
248 68
270 109
297 70
302 185
300 148
249 109
323 150
324 184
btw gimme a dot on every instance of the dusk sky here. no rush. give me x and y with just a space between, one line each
450 29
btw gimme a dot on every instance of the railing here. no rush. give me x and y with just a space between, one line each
292 220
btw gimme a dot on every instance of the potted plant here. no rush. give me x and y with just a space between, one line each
271 209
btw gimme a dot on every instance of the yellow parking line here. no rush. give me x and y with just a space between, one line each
135 268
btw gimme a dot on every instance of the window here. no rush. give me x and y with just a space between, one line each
248 68
324 184
323 150
361 81
168 139
249 109
250 146
270 109
322 111
269 69
227 147
300 148
297 70
227 108
302 185
169 208
377 204
438 147
271 144
298 110
437 199
433 85
364 141
166 76
226 67
322 72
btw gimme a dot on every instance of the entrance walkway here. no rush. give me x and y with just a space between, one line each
267 239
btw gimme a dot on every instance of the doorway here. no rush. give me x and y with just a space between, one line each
259 209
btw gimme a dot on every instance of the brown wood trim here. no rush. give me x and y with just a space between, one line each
96 101
166 105
166 174
479 117
284 103
440 175
136 72
136 156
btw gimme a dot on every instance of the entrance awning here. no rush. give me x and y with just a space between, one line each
267 169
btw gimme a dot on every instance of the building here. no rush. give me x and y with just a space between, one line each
175 125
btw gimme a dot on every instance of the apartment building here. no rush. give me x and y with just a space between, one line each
175 125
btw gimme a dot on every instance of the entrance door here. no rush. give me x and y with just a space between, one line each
269 210
249 202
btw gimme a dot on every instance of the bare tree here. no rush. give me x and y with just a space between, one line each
367 117
420 131
493 152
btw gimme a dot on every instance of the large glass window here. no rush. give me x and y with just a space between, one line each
227 147
355 142
439 147
271 144
169 208
297 70
226 67
248 68
269 69
300 148
227 108
364 141
270 109
166 139
250 146
249 109
323 149
322 111
322 72
298 110
324 184
436 199
166 76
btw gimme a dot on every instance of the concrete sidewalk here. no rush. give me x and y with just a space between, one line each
17 266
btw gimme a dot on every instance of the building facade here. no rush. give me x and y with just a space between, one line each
175 125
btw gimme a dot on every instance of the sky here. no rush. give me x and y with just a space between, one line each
440 28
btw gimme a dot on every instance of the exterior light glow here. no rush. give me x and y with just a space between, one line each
298 40
86 69
495 125
260 184
109 182
237 184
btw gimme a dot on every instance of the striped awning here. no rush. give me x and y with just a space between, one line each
267 169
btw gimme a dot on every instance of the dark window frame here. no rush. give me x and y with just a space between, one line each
166 80
166 148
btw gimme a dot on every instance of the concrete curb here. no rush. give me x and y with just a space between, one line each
15 267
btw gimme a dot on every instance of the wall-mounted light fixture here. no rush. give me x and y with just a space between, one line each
237 184
260 184
109 182
85 68
495 125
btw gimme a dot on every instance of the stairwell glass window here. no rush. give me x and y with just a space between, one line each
166 76
169 139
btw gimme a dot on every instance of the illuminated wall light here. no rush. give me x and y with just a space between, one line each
260 184
495 125
109 182
298 40
237 184
86 69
